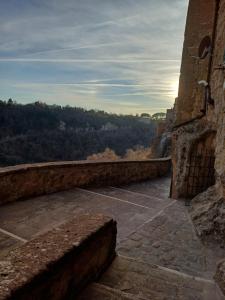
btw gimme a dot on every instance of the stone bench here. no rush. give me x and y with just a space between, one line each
59 263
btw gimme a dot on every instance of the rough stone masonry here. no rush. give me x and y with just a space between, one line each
198 153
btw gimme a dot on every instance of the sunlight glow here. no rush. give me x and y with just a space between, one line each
174 88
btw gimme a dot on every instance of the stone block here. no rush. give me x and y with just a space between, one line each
58 264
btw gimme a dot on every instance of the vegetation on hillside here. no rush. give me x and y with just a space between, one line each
38 132
138 153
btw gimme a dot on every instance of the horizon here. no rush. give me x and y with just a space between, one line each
123 58
14 102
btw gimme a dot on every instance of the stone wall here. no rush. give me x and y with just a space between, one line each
220 276
194 119
208 209
161 145
199 24
58 264
214 118
205 17
25 181
218 94
187 162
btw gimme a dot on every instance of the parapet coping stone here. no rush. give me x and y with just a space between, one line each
38 256
82 163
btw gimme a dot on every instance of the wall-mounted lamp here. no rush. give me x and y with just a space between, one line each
208 99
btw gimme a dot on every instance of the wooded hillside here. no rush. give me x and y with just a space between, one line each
38 132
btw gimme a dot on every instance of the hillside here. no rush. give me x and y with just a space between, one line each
38 132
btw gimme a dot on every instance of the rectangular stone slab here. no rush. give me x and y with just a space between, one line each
58 264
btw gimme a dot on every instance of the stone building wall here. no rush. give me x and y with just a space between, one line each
194 119
198 147
200 22
208 208
161 145
218 93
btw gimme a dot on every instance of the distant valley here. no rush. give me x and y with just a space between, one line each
38 132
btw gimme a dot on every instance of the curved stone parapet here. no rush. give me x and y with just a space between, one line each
24 181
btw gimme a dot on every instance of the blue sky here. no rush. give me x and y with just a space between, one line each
121 56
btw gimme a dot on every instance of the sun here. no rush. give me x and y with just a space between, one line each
174 86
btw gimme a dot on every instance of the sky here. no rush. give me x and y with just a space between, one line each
121 56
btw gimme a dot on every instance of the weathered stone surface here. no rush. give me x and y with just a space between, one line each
7 243
38 179
184 141
130 205
152 229
220 275
208 208
58 264
161 144
208 215
190 104
148 281
169 240
98 291
200 20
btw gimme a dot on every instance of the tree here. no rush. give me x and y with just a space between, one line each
38 132
159 116
108 154
145 115
10 101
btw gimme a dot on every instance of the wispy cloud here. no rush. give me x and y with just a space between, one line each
70 60
91 46
100 54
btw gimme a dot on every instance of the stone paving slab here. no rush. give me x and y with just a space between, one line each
170 241
158 187
7 243
101 292
127 215
147 281
38 215
152 229
148 201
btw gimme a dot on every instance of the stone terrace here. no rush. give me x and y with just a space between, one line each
159 254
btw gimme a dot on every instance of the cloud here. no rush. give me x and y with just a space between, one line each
117 52
71 60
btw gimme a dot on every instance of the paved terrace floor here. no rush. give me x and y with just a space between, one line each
159 255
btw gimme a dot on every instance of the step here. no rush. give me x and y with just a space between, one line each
128 278
101 292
